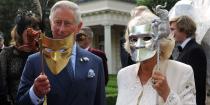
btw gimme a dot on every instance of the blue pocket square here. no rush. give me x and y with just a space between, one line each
91 73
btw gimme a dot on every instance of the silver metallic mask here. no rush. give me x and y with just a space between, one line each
143 38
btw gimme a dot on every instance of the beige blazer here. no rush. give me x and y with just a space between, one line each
180 80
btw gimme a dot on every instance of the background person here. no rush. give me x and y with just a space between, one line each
1 41
191 53
84 38
12 59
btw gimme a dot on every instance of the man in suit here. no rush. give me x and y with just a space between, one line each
84 38
191 53
124 55
64 74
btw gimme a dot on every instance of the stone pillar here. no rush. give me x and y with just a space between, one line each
108 46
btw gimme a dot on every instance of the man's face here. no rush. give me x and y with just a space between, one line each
1 42
179 36
85 43
63 23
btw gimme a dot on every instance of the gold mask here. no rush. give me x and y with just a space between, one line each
57 52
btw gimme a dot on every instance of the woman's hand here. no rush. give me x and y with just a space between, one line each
30 40
32 34
160 84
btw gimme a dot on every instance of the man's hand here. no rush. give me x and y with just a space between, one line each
41 85
161 85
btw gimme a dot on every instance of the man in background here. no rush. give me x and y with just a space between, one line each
191 53
84 38
1 41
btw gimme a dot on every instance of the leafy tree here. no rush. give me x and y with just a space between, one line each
8 9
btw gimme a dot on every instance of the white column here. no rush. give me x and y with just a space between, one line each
108 46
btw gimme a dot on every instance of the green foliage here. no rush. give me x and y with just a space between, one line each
111 100
152 3
111 90
8 10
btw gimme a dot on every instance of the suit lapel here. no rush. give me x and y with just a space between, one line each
80 74
80 66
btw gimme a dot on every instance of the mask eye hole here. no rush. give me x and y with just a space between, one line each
147 38
133 39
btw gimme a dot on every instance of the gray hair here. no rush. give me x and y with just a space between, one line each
87 31
67 4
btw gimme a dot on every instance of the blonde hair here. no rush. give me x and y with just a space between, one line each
166 47
137 11
185 24
146 17
14 35
166 44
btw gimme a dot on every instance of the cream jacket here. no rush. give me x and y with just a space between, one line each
180 80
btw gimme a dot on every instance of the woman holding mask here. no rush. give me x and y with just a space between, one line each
149 81
25 35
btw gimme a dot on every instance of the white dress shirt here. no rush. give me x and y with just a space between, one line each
185 42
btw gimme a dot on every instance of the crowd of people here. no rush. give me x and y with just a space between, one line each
165 65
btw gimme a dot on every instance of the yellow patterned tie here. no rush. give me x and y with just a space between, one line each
45 100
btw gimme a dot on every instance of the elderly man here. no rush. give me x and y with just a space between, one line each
64 74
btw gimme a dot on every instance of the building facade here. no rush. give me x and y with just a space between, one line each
108 20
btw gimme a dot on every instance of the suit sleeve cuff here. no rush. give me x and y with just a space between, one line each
35 100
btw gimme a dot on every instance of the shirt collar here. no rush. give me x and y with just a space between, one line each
74 49
185 42
87 48
73 56
2 46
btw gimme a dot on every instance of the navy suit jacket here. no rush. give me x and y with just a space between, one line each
194 55
65 89
102 55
